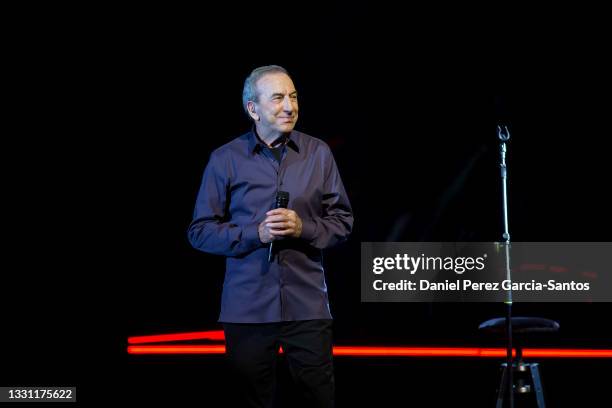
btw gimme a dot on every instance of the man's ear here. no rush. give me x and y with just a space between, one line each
251 109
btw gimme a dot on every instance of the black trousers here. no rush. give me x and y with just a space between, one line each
252 349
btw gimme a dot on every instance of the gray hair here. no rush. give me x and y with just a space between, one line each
249 92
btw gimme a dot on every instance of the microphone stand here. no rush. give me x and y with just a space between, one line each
504 136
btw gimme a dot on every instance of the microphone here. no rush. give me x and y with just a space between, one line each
282 200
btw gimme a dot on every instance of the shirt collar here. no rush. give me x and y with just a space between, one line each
255 144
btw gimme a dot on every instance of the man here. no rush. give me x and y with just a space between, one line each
274 293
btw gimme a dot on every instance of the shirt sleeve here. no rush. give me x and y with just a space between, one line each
336 222
210 230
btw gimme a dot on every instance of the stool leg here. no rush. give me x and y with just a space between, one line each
537 384
502 387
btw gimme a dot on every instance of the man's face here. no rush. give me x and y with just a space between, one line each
276 109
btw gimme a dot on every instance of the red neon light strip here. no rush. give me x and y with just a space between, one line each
570 353
416 351
217 335
392 351
182 349
160 338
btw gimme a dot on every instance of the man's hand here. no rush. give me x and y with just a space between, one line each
280 223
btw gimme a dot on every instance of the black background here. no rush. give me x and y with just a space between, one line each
116 111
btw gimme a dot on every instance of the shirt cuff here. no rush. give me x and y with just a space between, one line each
309 230
250 235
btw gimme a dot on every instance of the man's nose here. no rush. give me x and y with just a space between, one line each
288 104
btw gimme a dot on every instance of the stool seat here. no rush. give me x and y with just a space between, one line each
526 376
520 325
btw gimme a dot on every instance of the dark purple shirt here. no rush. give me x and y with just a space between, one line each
239 186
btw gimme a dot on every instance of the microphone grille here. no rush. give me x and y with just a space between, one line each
282 199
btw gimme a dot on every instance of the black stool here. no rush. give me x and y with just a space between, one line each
526 376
